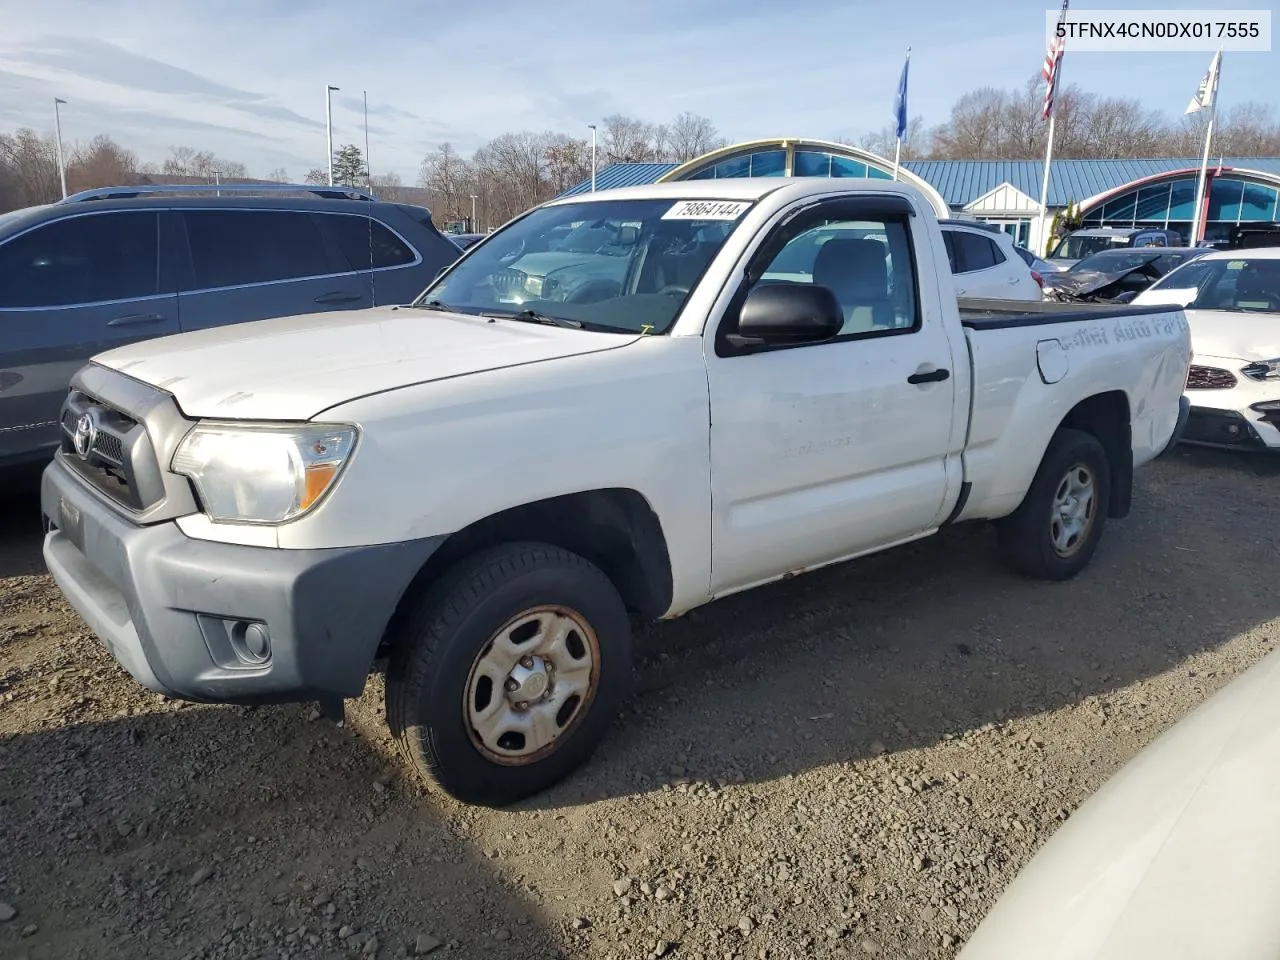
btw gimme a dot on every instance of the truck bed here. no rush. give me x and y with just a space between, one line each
983 314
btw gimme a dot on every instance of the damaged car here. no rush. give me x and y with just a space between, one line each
1116 276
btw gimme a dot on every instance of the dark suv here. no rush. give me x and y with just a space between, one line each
106 267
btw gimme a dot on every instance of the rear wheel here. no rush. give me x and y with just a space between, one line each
1054 532
508 674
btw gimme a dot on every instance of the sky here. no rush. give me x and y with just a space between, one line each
246 78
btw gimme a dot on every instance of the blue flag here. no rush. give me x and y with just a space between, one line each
900 103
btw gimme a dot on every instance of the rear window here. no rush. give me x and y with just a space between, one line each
237 247
367 243
969 252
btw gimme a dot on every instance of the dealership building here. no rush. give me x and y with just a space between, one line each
1107 193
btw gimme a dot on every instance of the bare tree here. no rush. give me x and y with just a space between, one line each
30 165
884 142
626 139
316 176
568 161
101 163
201 164
690 135
387 186
449 180
279 175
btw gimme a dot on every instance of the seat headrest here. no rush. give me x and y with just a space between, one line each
853 266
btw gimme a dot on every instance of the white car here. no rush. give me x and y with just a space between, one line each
1174 858
1232 302
485 485
986 264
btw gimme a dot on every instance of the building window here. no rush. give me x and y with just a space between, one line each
844 167
1153 205
1258 203
812 163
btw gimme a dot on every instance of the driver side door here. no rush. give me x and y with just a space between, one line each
826 450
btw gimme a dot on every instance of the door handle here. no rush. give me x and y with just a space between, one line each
134 318
338 296
929 376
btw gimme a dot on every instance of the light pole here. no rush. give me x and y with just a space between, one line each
57 126
473 214
328 125
593 156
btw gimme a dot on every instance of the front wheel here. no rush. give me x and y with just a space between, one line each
1054 532
508 674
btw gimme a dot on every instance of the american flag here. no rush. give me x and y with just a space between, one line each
1052 61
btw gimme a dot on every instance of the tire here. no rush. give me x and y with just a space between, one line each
443 681
1035 539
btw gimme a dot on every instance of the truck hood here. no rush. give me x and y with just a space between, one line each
1176 857
292 368
1236 335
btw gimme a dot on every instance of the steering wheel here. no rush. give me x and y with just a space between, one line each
674 290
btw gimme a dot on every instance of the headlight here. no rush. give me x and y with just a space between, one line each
263 473
1263 370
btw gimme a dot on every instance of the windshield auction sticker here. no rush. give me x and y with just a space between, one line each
706 210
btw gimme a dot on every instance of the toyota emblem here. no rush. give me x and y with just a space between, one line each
85 436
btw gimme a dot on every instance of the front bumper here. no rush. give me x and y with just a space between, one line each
1213 427
187 617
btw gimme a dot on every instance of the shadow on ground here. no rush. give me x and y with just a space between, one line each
938 638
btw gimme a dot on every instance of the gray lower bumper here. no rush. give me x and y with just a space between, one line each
173 610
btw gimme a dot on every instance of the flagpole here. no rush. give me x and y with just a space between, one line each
1044 183
1197 215
1051 93
901 118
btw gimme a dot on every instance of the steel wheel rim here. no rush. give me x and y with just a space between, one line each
531 684
1074 510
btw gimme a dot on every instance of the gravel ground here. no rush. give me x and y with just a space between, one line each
853 763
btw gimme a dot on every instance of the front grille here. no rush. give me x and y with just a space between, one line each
112 460
1210 378
106 446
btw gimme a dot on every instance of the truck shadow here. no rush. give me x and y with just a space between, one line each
931 640
197 832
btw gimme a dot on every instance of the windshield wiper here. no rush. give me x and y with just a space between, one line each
533 316
433 305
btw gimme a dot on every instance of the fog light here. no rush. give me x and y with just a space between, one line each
251 641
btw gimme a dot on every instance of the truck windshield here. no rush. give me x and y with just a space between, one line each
612 265
1239 284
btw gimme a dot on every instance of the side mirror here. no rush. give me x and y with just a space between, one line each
787 313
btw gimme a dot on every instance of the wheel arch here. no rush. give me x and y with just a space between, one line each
615 528
1106 417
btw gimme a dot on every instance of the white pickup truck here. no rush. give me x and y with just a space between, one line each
747 380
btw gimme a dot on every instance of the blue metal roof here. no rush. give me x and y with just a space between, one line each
962 181
622 175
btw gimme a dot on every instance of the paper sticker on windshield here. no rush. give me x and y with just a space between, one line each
1235 265
706 210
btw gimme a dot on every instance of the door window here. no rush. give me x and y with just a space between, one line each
366 243
867 263
236 247
81 260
